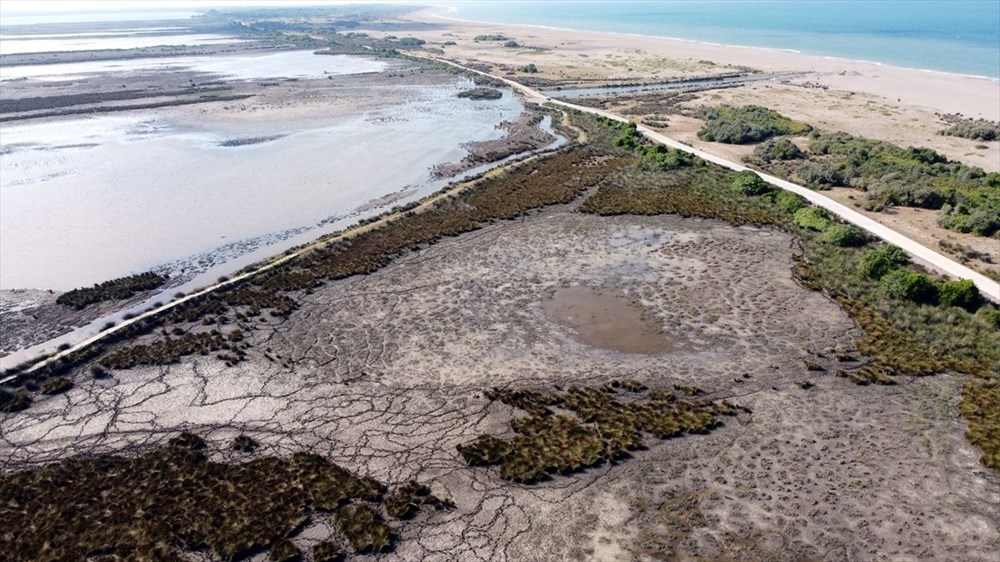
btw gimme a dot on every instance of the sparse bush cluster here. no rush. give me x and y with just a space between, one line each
969 128
981 406
747 124
606 423
116 289
491 37
170 500
749 183
777 149
968 197
884 263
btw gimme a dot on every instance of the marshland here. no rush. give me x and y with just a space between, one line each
435 383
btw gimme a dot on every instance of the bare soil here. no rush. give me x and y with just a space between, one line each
384 374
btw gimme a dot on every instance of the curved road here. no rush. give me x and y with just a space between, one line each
989 287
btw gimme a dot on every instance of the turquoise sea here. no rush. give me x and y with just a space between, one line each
959 36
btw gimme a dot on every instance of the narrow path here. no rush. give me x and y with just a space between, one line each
944 264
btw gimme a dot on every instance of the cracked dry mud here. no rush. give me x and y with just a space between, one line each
384 374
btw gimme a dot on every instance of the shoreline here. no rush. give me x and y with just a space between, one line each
433 13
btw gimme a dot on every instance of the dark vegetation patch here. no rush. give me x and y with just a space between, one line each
491 37
245 141
565 432
747 124
481 94
52 102
202 98
692 189
405 501
981 407
969 128
117 289
172 500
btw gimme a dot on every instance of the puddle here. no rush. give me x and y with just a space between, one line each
607 320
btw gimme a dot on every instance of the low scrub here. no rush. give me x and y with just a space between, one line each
604 425
172 500
116 289
747 124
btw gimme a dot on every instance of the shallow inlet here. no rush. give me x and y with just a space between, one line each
606 320
137 192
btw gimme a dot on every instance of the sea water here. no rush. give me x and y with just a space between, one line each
958 36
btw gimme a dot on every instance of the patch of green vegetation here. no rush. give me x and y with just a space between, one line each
56 385
604 425
969 128
116 289
650 154
777 150
16 401
968 197
406 500
878 261
171 500
364 528
911 286
813 218
747 124
529 68
748 182
491 37
980 405
844 235
962 293
326 551
694 188
284 551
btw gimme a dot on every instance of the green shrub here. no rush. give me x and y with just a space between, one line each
326 551
788 202
990 315
749 183
364 528
777 149
879 261
906 285
821 174
844 235
975 129
747 124
812 218
962 293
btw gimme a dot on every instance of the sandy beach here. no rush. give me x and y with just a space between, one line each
899 105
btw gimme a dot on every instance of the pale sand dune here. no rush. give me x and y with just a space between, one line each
862 98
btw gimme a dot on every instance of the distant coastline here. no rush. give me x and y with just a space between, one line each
446 13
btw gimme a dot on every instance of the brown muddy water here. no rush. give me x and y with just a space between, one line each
607 320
